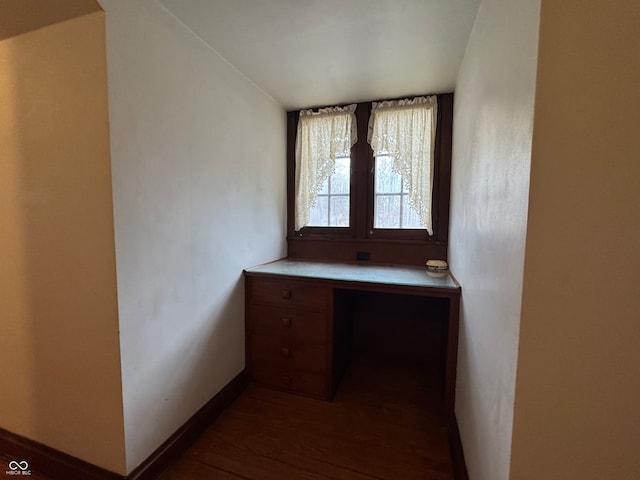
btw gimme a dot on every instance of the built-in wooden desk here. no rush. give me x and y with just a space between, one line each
293 319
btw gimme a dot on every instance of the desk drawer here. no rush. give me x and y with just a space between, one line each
294 325
298 382
292 355
287 293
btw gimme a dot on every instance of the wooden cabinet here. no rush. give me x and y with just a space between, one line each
288 335
300 320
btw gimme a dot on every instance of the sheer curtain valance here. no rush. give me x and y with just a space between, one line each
405 130
321 137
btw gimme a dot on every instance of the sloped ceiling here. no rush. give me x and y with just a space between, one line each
308 53
22 16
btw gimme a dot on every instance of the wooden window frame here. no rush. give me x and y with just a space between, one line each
360 240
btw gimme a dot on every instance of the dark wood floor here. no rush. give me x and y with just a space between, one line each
383 424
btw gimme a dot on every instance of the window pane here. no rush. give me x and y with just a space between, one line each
319 214
341 179
387 211
410 217
325 187
332 206
392 208
339 211
387 181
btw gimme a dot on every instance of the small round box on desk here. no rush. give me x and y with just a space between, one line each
437 268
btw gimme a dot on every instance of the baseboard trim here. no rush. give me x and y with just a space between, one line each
48 461
457 452
52 463
185 436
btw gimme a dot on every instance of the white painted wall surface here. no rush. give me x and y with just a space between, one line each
198 161
493 119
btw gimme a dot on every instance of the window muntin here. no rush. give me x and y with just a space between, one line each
333 200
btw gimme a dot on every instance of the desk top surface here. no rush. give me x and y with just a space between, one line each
350 272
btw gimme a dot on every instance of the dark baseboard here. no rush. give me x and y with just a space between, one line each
186 435
54 464
457 453
49 462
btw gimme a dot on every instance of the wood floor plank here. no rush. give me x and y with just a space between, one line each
382 425
248 461
188 469
314 459
304 448
339 430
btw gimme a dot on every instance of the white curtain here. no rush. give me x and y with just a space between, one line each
406 131
321 137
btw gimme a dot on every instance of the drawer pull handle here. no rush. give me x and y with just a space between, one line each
286 352
286 380
286 293
286 322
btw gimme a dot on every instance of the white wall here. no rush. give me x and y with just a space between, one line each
198 161
493 119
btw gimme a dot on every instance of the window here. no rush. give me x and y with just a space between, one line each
332 202
364 197
322 137
402 136
391 205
